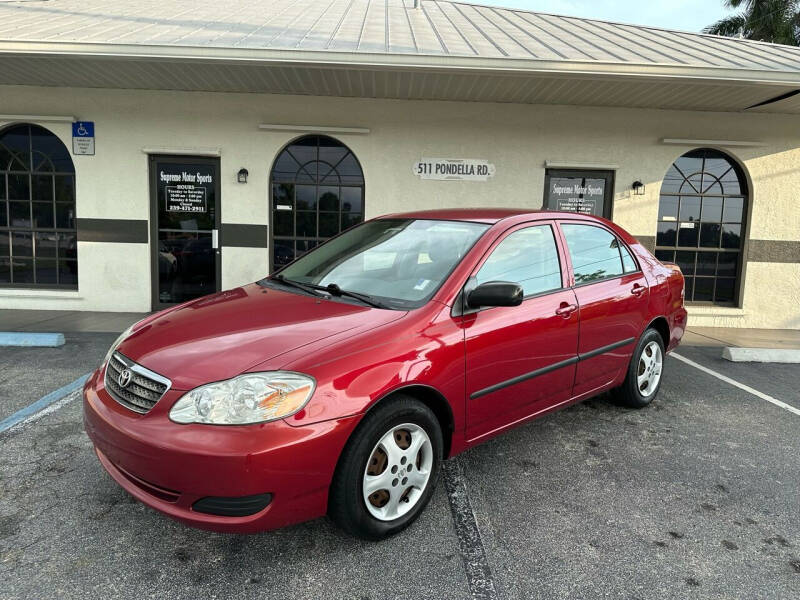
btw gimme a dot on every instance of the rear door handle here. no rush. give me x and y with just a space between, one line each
638 290
566 310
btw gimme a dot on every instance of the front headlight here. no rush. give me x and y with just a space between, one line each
117 342
250 398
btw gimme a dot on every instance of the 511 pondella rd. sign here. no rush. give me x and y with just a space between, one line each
454 169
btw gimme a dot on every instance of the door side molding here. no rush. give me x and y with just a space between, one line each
550 368
524 377
604 349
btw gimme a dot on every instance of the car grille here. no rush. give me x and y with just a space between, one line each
144 389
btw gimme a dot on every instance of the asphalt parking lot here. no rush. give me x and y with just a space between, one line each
694 497
27 374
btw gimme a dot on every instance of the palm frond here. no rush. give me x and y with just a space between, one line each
733 26
776 21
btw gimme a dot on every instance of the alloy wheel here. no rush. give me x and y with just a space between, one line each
648 373
397 472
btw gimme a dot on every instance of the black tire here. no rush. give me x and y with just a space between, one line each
629 394
346 503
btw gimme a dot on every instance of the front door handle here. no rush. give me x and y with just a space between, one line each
638 290
566 310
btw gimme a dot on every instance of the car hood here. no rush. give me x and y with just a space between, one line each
220 336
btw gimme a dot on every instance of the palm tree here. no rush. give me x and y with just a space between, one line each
776 21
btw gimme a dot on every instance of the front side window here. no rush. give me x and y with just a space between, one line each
401 262
527 257
595 253
38 238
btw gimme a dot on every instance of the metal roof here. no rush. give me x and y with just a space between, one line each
305 46
437 27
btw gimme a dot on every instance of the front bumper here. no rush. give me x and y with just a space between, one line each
169 467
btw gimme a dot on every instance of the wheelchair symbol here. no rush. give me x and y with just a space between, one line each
82 131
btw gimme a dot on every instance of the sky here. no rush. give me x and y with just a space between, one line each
688 15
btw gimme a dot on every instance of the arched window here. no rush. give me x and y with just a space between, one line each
38 246
701 224
317 191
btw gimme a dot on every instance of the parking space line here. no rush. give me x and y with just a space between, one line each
45 405
741 386
479 575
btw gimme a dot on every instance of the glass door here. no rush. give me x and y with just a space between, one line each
184 228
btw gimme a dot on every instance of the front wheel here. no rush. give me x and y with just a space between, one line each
388 470
644 372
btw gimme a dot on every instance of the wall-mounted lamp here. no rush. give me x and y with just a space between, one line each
638 188
241 176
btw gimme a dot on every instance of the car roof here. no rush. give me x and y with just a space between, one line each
509 217
487 215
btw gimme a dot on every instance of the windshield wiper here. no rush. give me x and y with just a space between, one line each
311 289
331 288
335 290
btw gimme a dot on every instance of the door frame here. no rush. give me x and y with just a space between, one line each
154 159
608 174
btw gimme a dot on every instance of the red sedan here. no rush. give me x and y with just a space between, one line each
339 384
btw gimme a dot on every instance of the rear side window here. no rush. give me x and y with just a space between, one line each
527 257
628 264
595 253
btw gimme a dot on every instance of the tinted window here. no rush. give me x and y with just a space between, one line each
702 228
317 192
594 252
527 257
38 231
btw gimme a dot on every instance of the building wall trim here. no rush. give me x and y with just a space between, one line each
713 143
212 152
648 241
125 231
245 236
773 251
560 164
38 118
315 129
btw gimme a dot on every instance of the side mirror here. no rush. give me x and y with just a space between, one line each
495 293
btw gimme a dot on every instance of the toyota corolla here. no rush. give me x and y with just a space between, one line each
340 383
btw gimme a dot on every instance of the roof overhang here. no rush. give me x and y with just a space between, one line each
418 77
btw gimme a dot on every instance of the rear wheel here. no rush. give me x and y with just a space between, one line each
388 470
644 372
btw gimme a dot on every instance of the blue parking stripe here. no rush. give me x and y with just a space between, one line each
28 340
42 403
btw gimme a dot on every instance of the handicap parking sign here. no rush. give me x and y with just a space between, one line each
83 138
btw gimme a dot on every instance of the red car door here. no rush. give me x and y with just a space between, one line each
521 360
612 294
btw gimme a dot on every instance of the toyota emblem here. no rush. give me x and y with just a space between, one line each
124 378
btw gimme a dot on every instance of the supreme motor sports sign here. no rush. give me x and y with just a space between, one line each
454 169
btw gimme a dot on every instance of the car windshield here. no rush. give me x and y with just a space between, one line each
399 263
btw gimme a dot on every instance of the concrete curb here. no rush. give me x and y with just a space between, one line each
31 340
762 355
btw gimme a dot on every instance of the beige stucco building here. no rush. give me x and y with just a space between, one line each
368 94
